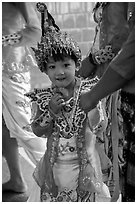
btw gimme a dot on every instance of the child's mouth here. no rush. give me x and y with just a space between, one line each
60 79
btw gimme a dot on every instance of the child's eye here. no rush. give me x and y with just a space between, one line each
66 65
51 67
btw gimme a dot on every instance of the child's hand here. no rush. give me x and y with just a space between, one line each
56 103
62 91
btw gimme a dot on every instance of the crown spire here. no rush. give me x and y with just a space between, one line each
42 8
53 40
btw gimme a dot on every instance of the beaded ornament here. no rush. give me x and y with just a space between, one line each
10 39
105 54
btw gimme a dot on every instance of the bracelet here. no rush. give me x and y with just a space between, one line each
104 55
101 56
10 39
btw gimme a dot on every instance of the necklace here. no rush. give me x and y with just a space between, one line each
71 123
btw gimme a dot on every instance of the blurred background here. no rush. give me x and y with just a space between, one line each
77 19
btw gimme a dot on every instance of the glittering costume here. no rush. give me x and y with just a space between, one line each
16 64
70 170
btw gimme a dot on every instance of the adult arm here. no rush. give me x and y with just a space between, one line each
118 73
114 27
31 32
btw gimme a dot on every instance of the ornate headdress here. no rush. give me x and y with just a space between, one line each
53 40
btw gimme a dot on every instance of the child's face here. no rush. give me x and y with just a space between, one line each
61 73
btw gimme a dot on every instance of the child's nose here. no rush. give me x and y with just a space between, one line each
60 71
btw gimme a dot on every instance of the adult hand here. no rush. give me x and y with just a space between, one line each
87 69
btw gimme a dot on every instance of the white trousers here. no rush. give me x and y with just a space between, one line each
17 115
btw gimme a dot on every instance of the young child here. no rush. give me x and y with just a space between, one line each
70 170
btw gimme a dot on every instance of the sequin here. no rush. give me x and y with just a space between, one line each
71 149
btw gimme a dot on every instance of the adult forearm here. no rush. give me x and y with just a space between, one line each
110 82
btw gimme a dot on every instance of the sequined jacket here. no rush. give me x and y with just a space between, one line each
55 127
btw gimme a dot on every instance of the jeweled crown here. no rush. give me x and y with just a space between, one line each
53 40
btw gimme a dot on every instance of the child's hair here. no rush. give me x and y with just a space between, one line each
58 45
60 56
